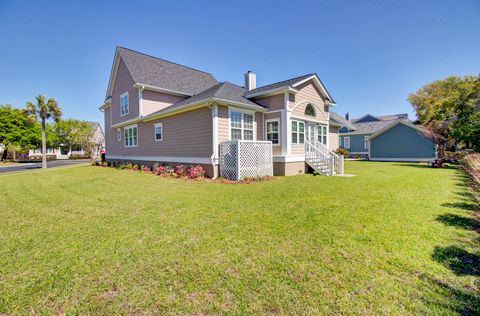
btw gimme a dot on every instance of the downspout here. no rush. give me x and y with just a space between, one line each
214 108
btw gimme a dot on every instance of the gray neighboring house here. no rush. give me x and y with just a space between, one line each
386 138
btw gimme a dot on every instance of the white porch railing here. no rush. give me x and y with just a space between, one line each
322 159
241 159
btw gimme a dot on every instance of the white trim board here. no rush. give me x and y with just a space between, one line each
199 160
403 159
293 158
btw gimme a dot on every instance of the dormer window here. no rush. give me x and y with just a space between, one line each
124 108
309 110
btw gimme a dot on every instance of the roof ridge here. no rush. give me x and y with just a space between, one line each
168 61
281 81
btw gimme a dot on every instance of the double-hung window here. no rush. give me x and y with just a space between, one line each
298 132
124 108
346 142
365 142
322 134
241 126
130 136
273 131
158 132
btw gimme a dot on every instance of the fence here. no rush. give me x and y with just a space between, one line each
241 159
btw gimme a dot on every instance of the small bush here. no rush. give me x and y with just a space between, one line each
342 151
195 172
181 170
471 164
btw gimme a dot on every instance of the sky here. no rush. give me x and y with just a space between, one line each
370 54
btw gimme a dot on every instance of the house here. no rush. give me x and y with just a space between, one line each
63 152
160 111
387 138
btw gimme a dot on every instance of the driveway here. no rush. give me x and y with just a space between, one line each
38 165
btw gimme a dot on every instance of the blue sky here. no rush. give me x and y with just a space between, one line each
369 54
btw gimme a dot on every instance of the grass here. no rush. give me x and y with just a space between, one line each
397 238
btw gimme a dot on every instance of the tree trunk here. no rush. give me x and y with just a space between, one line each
44 145
14 154
5 153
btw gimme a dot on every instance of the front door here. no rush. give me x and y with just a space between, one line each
310 132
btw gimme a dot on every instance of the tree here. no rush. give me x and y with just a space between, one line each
15 129
73 132
449 109
45 110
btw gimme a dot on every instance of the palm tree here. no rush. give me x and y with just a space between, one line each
44 110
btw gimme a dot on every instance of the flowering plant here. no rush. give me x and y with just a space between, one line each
195 172
181 170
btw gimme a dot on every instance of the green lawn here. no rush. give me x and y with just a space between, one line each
397 238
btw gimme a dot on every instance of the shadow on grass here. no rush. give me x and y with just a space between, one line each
464 301
423 165
459 221
467 206
460 261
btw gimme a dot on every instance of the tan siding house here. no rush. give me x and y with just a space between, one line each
158 111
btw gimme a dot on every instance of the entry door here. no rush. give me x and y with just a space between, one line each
310 132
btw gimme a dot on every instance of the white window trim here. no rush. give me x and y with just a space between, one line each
319 127
155 132
128 104
279 130
365 142
234 109
126 128
345 142
298 132
119 134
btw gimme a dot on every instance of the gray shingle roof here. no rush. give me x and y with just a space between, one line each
223 91
280 84
164 74
402 116
342 121
370 127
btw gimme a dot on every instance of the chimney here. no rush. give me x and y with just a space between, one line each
347 116
250 80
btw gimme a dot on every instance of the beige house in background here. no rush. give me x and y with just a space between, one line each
63 152
159 111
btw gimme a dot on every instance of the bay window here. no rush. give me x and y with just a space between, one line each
272 131
298 132
241 126
322 134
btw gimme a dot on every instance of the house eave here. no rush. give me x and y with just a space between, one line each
268 93
106 104
162 90
200 104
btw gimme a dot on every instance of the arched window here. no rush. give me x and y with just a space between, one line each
309 110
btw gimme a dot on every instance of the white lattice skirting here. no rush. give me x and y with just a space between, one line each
241 159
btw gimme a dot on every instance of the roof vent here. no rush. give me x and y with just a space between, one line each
250 80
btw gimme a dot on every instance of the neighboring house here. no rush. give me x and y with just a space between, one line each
62 152
159 111
388 138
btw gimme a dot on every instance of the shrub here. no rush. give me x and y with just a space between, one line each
181 170
342 151
146 169
471 164
135 167
159 170
195 172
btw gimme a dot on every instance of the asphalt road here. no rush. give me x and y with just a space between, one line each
38 165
